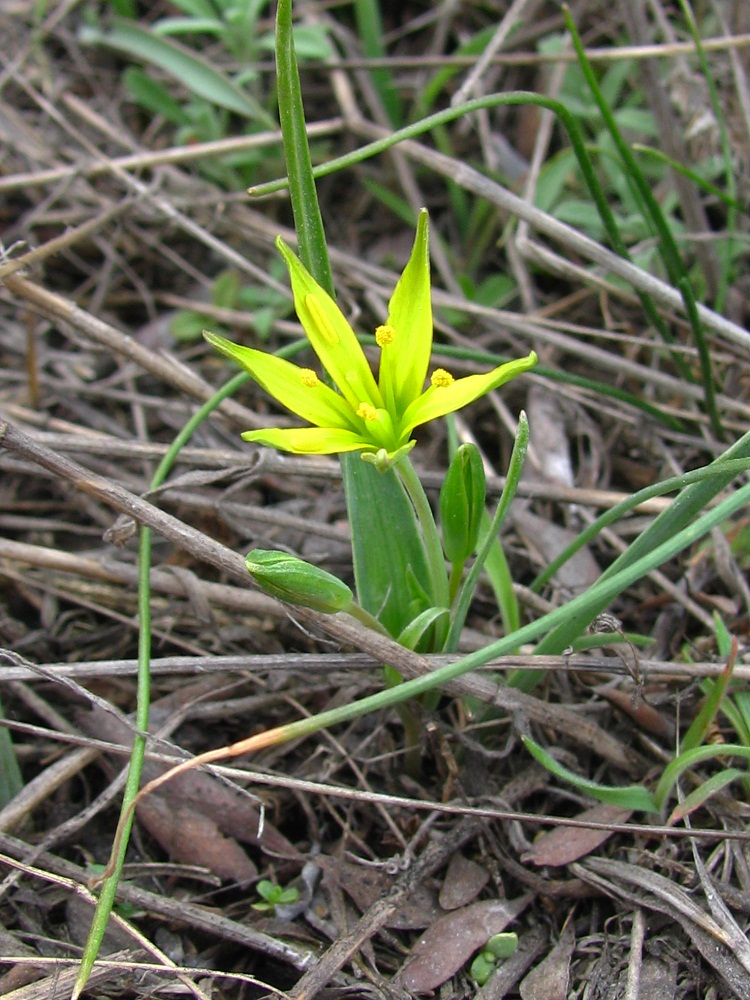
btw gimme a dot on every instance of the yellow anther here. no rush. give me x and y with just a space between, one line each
441 379
367 411
321 320
384 335
308 378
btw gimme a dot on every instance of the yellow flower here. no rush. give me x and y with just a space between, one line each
376 418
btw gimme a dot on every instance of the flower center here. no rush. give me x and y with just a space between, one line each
441 379
367 411
384 335
308 378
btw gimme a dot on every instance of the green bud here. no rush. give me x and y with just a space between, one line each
298 582
462 503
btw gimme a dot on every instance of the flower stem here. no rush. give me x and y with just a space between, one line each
433 547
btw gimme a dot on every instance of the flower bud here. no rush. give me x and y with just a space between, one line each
298 582
462 503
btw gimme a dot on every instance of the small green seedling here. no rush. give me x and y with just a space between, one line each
498 948
274 895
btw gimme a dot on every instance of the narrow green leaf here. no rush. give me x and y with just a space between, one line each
370 31
11 780
685 761
701 724
671 526
196 74
634 797
308 222
703 793
152 96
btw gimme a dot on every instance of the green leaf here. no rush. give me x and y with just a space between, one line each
187 26
703 792
634 797
685 761
153 96
11 781
421 626
503 945
702 723
196 74
669 526
195 8
386 543
462 498
310 42
188 326
225 290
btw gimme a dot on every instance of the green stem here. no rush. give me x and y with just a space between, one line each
143 696
433 547
454 581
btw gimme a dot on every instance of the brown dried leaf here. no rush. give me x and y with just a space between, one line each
191 838
550 979
464 880
564 844
645 716
210 811
367 885
451 941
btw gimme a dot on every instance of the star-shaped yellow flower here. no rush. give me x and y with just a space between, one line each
376 418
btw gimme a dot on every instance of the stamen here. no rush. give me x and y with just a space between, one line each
441 379
367 411
321 320
308 378
384 335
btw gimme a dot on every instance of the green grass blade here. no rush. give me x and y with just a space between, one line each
706 186
370 31
703 793
672 524
732 468
109 889
701 724
668 250
725 248
11 779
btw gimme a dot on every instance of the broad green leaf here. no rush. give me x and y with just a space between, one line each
386 544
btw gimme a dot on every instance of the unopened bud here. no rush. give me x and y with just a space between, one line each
462 503
298 582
